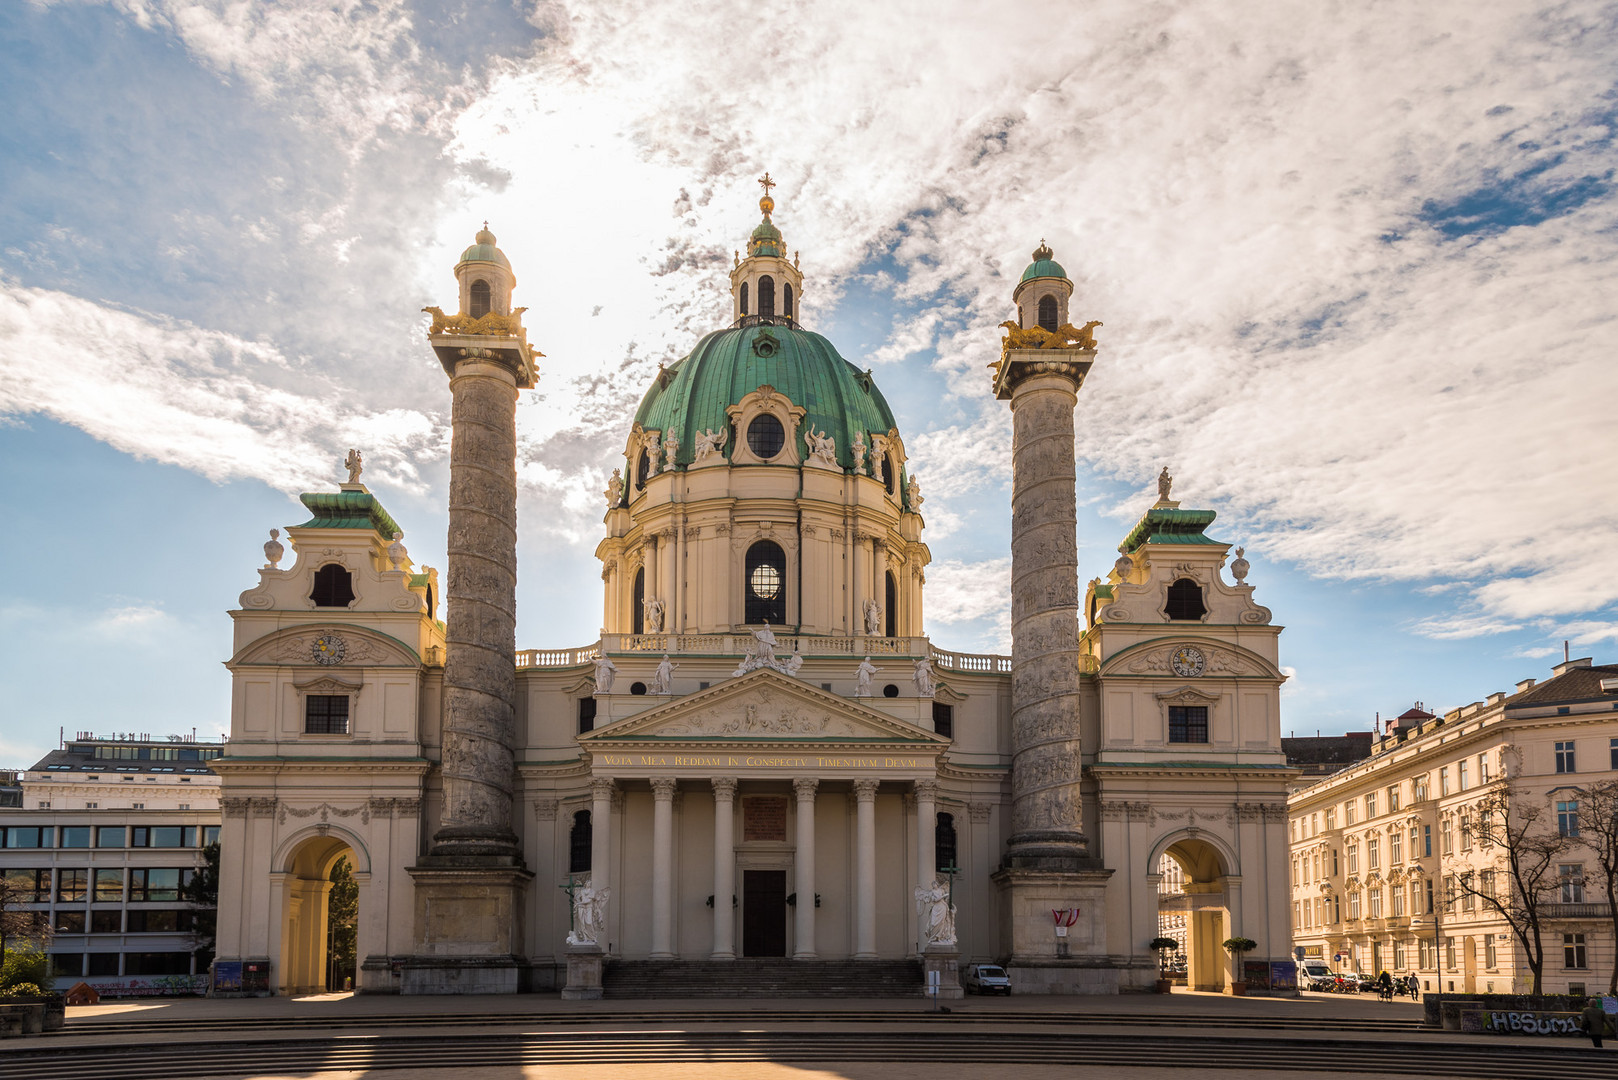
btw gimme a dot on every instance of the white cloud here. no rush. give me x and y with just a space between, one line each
1445 627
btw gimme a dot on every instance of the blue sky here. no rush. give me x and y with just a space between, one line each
1357 272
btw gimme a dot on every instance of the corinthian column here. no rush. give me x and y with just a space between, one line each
480 672
1046 814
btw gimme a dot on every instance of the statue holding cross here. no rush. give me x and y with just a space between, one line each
589 905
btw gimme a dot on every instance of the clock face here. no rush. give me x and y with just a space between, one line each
328 649
1188 661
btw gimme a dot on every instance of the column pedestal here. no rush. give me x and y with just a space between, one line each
469 927
585 964
1038 960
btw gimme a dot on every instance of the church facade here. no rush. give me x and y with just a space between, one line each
763 755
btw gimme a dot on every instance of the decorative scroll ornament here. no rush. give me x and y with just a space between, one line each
1065 336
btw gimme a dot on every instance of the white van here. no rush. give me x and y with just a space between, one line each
1313 972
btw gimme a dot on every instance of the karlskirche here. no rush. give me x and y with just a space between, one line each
763 764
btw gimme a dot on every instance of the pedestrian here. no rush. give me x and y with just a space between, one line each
1594 1021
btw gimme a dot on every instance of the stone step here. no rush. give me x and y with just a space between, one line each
761 978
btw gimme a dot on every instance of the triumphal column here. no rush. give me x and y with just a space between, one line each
1047 864
469 888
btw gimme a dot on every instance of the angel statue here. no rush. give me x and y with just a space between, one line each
353 465
708 443
936 913
822 448
615 488
589 915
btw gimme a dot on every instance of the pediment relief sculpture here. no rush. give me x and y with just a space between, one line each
326 647
1189 659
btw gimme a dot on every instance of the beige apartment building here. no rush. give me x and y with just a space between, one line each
1378 848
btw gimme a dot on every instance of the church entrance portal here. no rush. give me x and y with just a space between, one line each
1203 901
764 913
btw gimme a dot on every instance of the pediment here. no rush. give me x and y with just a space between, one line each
345 646
1222 659
763 706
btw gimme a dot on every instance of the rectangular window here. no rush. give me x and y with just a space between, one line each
1467 895
1461 773
29 886
72 885
1398 956
1373 854
104 963
210 834
67 965
1567 818
1348 812
1331 815
944 719
1490 961
1570 882
1466 832
1564 757
112 835
1418 788
1447 840
1449 953
1396 896
1376 902
1295 881
1428 898
164 836
1443 781
1573 951
68 922
1334 869
1612 753
1353 858
156 884
164 921
110 886
1396 848
1354 904
1393 799
76 836
1188 723
1449 892
325 714
587 714
1426 841
107 921
1370 806
171 963
1483 768
28 836
1415 898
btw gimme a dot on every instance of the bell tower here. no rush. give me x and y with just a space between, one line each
1042 294
765 289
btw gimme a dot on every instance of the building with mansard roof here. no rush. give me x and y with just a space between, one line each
763 760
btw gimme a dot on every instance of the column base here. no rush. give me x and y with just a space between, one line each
462 975
944 961
585 964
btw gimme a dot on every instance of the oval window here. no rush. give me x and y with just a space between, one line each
766 436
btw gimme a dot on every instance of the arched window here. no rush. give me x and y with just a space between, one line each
766 436
479 304
578 844
637 603
765 585
334 587
888 471
766 295
744 298
643 471
786 299
892 609
1047 312
944 842
1185 601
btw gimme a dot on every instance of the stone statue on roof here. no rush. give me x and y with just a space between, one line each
353 465
1164 483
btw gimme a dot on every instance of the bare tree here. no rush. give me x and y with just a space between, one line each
18 923
1598 831
1520 831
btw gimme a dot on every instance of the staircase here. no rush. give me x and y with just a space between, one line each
762 978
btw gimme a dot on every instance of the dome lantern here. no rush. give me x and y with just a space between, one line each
1041 295
485 276
765 289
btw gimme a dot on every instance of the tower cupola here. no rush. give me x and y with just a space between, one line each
486 277
1042 294
765 289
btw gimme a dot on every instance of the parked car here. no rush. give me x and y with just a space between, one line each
986 979
1367 982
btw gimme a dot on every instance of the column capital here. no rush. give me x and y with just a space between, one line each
663 788
927 789
724 788
1020 367
602 787
805 787
865 790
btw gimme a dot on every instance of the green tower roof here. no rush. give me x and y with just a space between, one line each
347 510
484 250
1163 525
1043 265
693 394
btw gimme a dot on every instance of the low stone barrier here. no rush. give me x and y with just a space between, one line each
1520 1022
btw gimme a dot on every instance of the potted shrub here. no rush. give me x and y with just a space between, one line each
1162 945
1237 947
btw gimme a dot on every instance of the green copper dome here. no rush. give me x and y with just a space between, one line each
1043 265
727 365
484 250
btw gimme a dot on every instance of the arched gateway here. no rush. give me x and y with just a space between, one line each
763 755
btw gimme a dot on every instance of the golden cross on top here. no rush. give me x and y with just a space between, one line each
766 182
